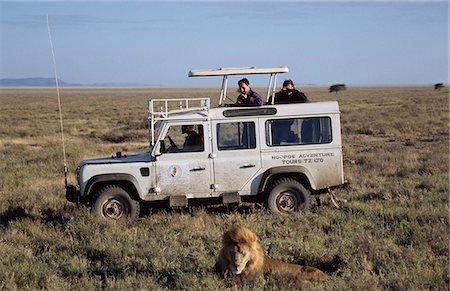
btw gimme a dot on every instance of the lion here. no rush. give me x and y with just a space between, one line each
242 255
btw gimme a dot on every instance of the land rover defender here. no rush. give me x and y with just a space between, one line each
278 155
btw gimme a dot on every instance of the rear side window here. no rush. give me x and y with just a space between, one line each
297 131
236 135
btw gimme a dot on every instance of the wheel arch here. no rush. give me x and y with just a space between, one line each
298 173
125 181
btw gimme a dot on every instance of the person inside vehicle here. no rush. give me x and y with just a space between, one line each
193 141
247 96
289 94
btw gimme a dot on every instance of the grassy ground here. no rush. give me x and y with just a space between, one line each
391 233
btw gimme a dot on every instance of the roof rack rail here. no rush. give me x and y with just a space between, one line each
160 109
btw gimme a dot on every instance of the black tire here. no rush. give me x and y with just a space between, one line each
113 202
287 195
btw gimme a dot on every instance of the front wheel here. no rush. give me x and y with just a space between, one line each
288 195
113 202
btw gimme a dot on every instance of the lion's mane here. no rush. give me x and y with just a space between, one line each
241 239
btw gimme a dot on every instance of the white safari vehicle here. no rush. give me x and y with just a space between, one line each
273 154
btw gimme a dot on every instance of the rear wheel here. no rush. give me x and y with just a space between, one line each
113 202
288 195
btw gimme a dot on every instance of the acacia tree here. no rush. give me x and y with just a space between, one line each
438 86
337 87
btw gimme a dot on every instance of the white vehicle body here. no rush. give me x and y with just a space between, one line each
242 152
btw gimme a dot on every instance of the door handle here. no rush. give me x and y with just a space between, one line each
197 169
247 166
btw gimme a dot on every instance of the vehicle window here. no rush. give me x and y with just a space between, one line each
236 135
184 138
296 131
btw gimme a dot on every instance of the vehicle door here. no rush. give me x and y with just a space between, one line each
236 156
184 166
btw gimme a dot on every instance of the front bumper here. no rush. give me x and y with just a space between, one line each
73 194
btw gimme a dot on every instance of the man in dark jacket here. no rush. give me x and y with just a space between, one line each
289 94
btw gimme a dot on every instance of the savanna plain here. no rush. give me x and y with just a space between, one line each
390 232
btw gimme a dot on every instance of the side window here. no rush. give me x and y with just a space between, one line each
184 138
236 135
296 131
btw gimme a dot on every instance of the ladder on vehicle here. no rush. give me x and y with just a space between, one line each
162 109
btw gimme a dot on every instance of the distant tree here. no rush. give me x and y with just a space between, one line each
337 87
438 86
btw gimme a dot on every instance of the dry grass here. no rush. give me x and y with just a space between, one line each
392 233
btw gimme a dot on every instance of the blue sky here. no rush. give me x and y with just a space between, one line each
357 42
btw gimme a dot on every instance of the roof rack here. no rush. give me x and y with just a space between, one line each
161 109
237 71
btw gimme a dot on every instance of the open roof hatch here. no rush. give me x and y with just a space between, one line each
225 72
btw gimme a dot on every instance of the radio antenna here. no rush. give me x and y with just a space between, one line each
59 103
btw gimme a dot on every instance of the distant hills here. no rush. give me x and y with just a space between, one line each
34 82
50 82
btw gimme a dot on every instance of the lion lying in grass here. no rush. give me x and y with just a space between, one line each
241 254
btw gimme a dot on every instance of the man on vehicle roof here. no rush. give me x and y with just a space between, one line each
248 97
289 94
